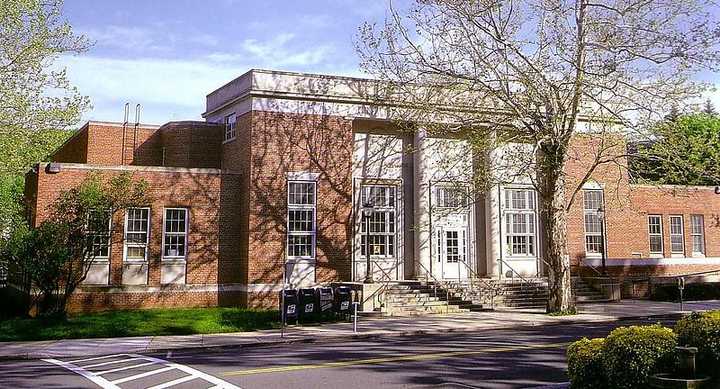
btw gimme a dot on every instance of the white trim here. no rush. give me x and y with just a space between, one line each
137 168
660 253
174 288
302 176
301 207
147 238
653 261
673 253
179 259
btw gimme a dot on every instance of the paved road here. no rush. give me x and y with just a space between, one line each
516 358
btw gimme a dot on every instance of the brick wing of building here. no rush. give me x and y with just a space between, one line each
280 172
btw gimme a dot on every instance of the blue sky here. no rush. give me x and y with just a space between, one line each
168 54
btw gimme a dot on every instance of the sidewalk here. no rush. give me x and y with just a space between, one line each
366 328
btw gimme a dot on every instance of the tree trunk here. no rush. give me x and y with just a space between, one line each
551 182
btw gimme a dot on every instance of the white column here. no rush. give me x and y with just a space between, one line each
421 177
493 230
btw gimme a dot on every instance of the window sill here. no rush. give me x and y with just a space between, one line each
518 258
135 262
99 261
677 255
174 260
229 140
656 255
593 255
698 255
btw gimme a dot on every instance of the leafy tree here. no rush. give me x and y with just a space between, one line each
709 108
685 151
36 95
55 257
528 76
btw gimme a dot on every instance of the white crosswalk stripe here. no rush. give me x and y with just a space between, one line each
80 366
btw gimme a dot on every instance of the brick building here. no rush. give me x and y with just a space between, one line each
279 173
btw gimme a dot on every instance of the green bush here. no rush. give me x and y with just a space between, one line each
696 291
702 330
632 354
585 367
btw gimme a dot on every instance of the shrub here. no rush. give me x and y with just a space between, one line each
632 354
585 365
696 291
702 330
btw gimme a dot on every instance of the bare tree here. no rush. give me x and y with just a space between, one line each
538 73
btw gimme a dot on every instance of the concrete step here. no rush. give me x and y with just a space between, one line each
411 299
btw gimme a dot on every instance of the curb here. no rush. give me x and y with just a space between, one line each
355 336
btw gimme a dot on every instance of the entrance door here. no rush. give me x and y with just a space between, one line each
452 244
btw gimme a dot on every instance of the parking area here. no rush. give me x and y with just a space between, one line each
139 371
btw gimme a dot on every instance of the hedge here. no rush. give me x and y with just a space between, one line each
624 360
585 367
702 330
697 291
632 354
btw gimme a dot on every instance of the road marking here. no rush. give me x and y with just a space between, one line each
99 381
108 363
125 368
163 366
174 382
142 375
394 358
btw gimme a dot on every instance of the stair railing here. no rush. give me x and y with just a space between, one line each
523 281
385 286
486 286
436 282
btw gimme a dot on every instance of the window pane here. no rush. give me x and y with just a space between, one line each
592 200
655 244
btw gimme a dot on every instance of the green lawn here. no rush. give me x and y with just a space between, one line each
139 323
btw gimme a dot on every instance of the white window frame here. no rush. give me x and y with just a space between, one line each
101 258
147 236
230 127
441 195
166 233
387 209
529 213
301 207
697 234
681 235
594 212
661 235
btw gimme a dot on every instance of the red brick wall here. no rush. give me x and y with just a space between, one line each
212 202
282 143
627 207
74 149
191 144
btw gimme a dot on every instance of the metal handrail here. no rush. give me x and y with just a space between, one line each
447 292
494 289
522 279
385 286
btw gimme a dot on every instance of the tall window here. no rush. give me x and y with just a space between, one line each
137 224
175 233
655 232
697 232
230 121
301 219
450 197
520 222
382 222
592 203
677 243
98 232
